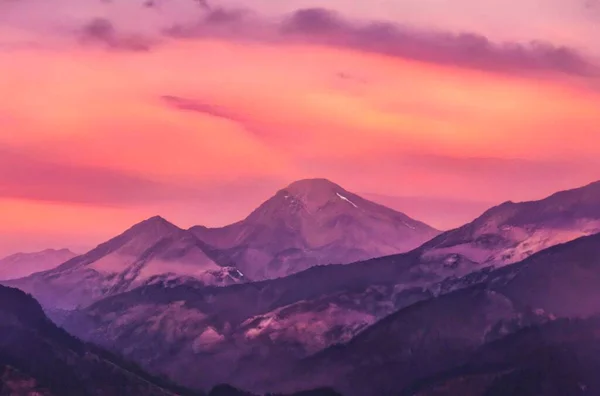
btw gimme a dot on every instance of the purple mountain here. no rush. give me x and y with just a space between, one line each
151 251
243 332
512 231
314 222
23 264
441 334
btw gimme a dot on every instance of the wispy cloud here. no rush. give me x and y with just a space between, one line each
196 106
253 127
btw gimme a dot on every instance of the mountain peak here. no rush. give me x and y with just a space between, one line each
315 193
156 220
155 224
313 185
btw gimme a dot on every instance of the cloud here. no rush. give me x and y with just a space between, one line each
325 27
465 49
196 106
137 26
102 31
254 127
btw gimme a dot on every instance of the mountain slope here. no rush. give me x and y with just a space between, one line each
555 359
443 333
150 251
240 333
314 222
35 355
513 231
23 264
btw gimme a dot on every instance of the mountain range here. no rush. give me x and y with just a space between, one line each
321 288
237 331
37 358
443 333
310 223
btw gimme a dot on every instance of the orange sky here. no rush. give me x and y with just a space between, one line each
202 130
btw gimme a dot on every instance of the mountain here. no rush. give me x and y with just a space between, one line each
271 324
513 231
151 251
443 334
23 264
558 358
38 358
314 222
242 333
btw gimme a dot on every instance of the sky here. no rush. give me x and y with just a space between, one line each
198 110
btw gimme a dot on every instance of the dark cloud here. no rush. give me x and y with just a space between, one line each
102 31
325 27
464 49
221 22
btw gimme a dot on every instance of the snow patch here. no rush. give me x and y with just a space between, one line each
346 199
207 340
408 225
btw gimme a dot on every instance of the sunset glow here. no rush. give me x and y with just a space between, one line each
201 129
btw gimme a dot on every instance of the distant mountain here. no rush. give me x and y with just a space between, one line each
38 358
442 334
151 251
314 222
513 231
23 264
